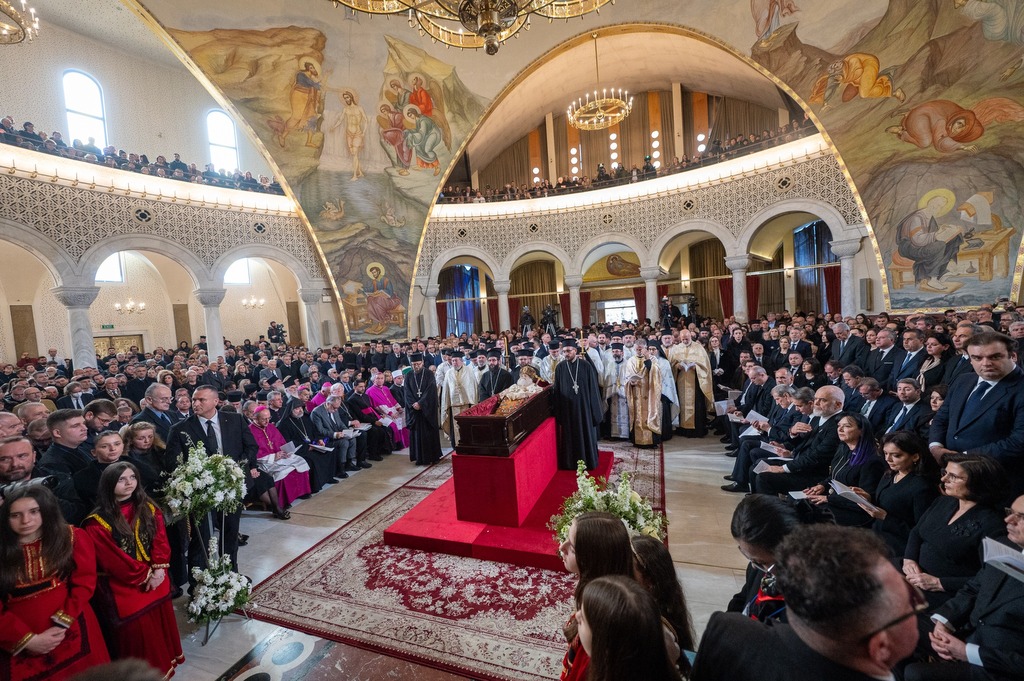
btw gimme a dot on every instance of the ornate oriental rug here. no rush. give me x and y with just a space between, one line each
482 619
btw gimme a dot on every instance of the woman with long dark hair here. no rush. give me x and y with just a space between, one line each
47 576
855 464
939 348
655 571
133 598
621 630
597 545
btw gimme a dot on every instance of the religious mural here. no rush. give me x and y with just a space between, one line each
922 98
622 265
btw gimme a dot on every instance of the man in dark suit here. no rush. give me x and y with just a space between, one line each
913 413
960 363
984 414
75 397
783 416
979 630
877 403
812 456
880 360
848 349
798 344
158 397
851 616
907 364
220 432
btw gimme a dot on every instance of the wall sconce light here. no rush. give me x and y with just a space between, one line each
789 273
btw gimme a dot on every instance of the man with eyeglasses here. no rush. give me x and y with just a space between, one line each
979 632
852 616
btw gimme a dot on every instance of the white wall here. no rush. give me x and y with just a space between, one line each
150 108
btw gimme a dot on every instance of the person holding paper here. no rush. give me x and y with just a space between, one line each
978 632
278 459
297 428
384 401
790 408
378 436
856 464
643 397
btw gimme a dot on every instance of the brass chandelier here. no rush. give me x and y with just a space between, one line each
472 24
17 25
602 108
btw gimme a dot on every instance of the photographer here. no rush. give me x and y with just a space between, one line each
17 465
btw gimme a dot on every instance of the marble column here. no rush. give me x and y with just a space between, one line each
430 296
847 250
210 299
502 287
650 276
310 298
738 265
574 282
77 300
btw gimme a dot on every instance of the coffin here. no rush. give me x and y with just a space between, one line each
492 428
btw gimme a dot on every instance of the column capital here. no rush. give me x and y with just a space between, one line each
574 280
431 290
847 248
737 262
210 297
649 273
72 297
501 285
310 296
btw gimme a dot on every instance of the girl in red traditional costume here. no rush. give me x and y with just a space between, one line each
47 574
133 598
597 545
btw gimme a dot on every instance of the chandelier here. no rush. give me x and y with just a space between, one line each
17 25
131 307
472 24
599 112
253 303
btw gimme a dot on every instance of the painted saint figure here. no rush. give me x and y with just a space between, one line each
353 118
768 15
392 138
423 138
931 248
304 101
949 127
858 75
381 301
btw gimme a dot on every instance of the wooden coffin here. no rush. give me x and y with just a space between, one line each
485 431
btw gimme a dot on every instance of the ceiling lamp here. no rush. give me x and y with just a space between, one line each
17 25
472 24
599 111
253 303
131 307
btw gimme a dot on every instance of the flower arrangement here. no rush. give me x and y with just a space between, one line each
219 590
594 495
203 483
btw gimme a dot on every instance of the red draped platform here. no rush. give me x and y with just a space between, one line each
496 508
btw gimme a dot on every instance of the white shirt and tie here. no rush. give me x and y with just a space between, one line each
215 422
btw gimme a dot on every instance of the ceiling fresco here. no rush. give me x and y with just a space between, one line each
921 98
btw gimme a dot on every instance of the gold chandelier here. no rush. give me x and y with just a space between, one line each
17 25
472 24
599 112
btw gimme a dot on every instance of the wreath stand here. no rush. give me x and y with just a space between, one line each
210 630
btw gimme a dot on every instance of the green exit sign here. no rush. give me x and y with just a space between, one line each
107 326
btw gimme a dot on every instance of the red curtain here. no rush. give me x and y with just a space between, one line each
725 290
442 319
753 294
514 310
565 308
833 289
492 315
640 301
585 306
662 291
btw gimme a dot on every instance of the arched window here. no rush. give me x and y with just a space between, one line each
111 270
238 272
83 102
223 150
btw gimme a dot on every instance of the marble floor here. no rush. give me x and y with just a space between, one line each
707 561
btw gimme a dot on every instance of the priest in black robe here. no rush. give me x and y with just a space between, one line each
496 378
421 415
578 409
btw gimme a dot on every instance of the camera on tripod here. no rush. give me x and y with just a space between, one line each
10 488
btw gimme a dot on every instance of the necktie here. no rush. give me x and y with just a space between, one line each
211 437
906 361
973 405
842 346
899 418
78 402
867 407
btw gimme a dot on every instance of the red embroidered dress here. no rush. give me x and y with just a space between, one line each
41 600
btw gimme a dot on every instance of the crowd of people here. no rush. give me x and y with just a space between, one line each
54 144
714 152
877 455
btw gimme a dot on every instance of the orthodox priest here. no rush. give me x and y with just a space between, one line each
578 409
458 394
618 408
496 378
421 414
643 396
692 368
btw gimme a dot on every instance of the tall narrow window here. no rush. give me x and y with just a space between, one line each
238 272
111 270
83 102
223 150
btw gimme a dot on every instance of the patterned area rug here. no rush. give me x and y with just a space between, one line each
482 619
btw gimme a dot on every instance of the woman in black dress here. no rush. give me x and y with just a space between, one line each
942 551
297 427
939 349
810 375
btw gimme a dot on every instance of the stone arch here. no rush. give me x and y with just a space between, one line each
94 257
442 259
576 266
827 212
267 252
529 247
710 227
54 258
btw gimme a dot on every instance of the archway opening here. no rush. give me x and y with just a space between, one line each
260 291
32 320
464 298
693 263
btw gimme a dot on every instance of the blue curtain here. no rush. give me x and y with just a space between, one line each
810 247
464 311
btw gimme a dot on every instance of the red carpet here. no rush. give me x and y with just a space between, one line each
496 508
482 619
